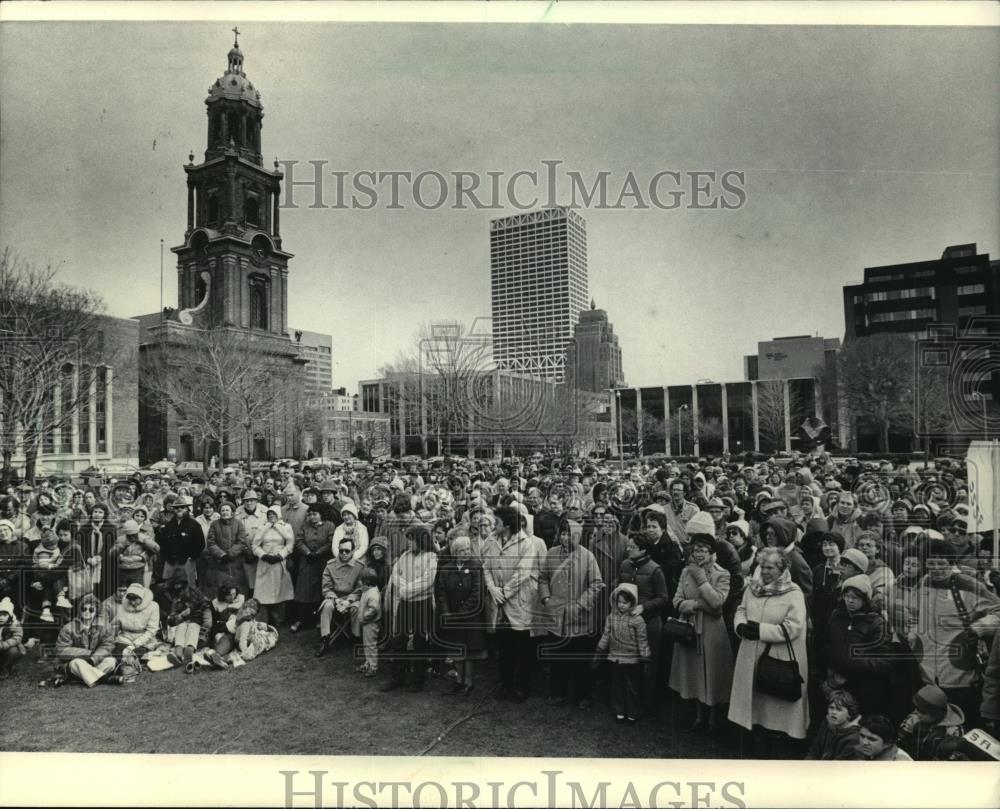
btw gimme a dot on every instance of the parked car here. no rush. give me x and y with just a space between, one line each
189 468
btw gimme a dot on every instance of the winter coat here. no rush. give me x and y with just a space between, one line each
137 626
513 572
624 638
848 529
222 613
225 552
922 741
252 523
704 671
835 744
75 640
312 552
358 533
571 582
609 553
369 610
189 606
801 573
648 578
781 604
12 636
253 638
882 579
460 596
15 560
856 649
273 584
826 595
134 551
935 620
410 593
991 684
181 540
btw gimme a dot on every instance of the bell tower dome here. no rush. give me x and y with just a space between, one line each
231 269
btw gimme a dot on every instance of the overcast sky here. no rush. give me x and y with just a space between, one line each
861 146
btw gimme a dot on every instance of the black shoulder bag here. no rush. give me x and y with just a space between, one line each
778 678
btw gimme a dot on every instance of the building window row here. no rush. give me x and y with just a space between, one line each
906 314
971 289
901 294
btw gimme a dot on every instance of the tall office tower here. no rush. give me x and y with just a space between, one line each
538 285
593 357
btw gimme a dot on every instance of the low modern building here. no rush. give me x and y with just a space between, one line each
712 418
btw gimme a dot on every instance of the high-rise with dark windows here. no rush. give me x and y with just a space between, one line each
538 286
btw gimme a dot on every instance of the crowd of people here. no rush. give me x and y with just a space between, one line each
847 607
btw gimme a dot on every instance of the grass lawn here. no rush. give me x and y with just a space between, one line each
288 702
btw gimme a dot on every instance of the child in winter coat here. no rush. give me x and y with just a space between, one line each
11 637
226 606
48 569
837 738
934 720
253 637
366 620
627 648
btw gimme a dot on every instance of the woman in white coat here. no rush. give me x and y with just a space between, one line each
770 602
272 545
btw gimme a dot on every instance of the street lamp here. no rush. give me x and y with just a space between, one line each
680 440
621 447
978 396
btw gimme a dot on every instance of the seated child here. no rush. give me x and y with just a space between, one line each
253 637
838 734
934 720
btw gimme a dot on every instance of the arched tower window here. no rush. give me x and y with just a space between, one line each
200 288
258 303
252 209
213 210
234 128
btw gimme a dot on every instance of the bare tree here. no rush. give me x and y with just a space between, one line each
876 376
771 414
221 386
49 332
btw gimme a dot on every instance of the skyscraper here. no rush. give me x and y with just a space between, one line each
593 357
538 286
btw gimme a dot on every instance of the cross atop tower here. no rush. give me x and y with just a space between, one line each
236 36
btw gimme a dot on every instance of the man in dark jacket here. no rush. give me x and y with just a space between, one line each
181 541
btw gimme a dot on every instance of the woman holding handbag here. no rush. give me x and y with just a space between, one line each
771 622
703 670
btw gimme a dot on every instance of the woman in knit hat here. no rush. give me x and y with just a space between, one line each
703 671
952 617
857 644
827 577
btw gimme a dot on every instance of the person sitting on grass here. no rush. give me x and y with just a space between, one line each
84 647
191 619
838 734
932 722
253 637
226 605
11 639
137 619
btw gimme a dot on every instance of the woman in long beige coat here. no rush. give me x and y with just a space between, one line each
770 602
704 671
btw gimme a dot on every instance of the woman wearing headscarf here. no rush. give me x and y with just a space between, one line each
703 671
272 545
351 528
608 546
772 609
569 584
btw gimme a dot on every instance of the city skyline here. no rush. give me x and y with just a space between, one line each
841 142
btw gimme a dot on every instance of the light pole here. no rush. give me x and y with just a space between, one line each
978 395
621 446
680 420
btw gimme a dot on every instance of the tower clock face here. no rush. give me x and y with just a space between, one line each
259 253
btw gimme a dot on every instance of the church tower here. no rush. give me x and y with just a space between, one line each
231 270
